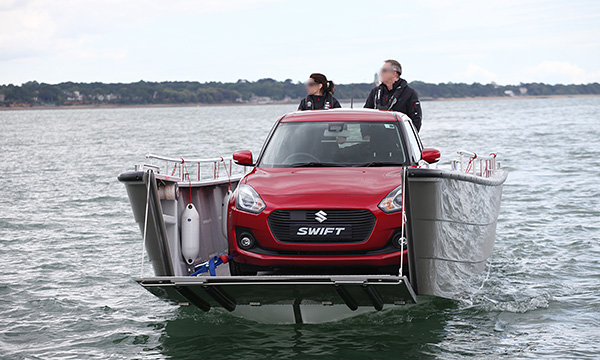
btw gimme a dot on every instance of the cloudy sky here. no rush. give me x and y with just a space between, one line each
507 41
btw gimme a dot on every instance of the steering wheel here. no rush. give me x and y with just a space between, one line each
310 156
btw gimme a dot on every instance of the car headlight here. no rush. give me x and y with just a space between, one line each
392 202
249 200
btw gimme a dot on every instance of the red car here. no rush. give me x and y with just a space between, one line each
325 194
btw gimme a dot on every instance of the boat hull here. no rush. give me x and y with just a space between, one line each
286 299
163 220
451 227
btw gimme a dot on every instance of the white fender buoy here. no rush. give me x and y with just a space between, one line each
190 233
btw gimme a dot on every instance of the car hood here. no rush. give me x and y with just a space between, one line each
366 181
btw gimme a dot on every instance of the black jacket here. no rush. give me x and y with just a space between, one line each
317 102
401 98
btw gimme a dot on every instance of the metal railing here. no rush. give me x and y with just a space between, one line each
193 169
478 165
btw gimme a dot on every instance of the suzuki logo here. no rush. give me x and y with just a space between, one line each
321 216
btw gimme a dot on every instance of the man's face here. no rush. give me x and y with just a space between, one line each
387 73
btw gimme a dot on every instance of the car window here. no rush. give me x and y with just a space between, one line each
355 143
415 144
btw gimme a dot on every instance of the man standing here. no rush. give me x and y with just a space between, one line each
394 94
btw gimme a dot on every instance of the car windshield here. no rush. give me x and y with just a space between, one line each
331 144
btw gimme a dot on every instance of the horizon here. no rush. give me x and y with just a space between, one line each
293 82
436 41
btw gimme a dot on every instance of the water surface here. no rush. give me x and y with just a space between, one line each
70 247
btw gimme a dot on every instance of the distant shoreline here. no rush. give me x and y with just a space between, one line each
520 97
359 102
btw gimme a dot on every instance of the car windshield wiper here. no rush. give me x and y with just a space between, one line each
315 164
379 163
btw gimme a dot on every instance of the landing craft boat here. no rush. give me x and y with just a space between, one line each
342 212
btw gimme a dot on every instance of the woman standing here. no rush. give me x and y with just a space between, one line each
320 94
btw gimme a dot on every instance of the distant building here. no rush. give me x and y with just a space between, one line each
523 90
260 100
2 97
74 96
509 92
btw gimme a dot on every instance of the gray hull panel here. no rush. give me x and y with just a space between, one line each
452 222
163 233
156 243
286 299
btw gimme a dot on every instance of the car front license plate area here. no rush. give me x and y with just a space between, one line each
311 233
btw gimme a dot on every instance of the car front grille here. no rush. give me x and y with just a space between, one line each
285 224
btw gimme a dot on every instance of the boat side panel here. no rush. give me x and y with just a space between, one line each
156 244
209 201
164 251
453 223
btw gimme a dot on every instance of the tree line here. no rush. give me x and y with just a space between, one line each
265 90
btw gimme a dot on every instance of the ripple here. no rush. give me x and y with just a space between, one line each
70 246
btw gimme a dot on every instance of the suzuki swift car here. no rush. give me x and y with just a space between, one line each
325 194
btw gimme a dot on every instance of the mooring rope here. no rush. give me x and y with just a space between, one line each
145 223
187 173
470 164
402 237
228 173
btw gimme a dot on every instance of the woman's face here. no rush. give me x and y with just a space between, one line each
312 87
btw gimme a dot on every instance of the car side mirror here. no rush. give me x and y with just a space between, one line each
243 157
431 156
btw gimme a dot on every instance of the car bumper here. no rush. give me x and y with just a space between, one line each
376 251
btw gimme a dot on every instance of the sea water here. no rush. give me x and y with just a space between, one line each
70 248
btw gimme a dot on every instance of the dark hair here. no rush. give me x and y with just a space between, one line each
328 85
395 65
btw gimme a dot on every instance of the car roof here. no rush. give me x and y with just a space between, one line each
341 115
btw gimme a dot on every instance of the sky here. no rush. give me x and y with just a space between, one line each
436 41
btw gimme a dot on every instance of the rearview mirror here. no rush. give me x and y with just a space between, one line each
431 156
243 157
